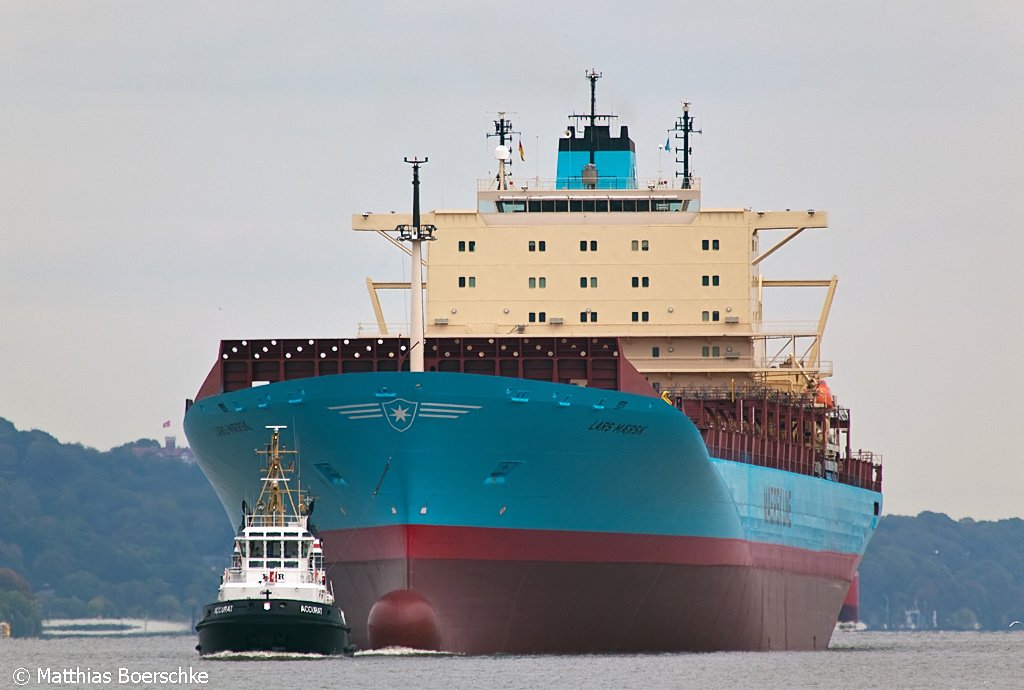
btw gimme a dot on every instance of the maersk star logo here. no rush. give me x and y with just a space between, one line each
400 413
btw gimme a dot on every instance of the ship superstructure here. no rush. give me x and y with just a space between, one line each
605 427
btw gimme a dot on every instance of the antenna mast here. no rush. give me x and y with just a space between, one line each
416 234
503 130
683 129
589 173
593 75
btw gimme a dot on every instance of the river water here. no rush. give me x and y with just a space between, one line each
854 660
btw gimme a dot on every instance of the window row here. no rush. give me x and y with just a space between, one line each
588 282
705 351
589 205
591 245
635 317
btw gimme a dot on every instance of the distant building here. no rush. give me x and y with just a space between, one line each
168 450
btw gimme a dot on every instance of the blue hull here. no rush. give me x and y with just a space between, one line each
462 461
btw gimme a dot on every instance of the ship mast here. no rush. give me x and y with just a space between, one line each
589 172
503 130
593 75
683 129
271 503
416 234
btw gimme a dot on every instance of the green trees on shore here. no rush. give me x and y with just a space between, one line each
930 572
130 532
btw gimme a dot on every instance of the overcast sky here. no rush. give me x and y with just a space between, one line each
174 173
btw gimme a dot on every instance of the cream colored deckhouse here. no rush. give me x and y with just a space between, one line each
679 285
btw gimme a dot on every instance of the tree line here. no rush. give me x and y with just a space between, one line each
933 572
129 532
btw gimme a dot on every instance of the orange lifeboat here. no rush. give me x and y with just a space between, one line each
823 395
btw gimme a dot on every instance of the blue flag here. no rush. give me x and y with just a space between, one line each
666 143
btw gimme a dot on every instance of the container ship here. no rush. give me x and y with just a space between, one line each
587 439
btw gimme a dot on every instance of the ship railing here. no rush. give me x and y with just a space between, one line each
849 473
273 521
306 575
744 392
394 330
727 360
785 329
576 184
867 456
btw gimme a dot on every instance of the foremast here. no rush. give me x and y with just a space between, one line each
276 491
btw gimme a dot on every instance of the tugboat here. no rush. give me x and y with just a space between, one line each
275 596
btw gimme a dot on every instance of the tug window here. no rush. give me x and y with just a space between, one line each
273 549
291 549
305 549
256 549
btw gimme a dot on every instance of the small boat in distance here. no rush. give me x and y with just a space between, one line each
275 595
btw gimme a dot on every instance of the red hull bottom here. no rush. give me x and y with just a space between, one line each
531 607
